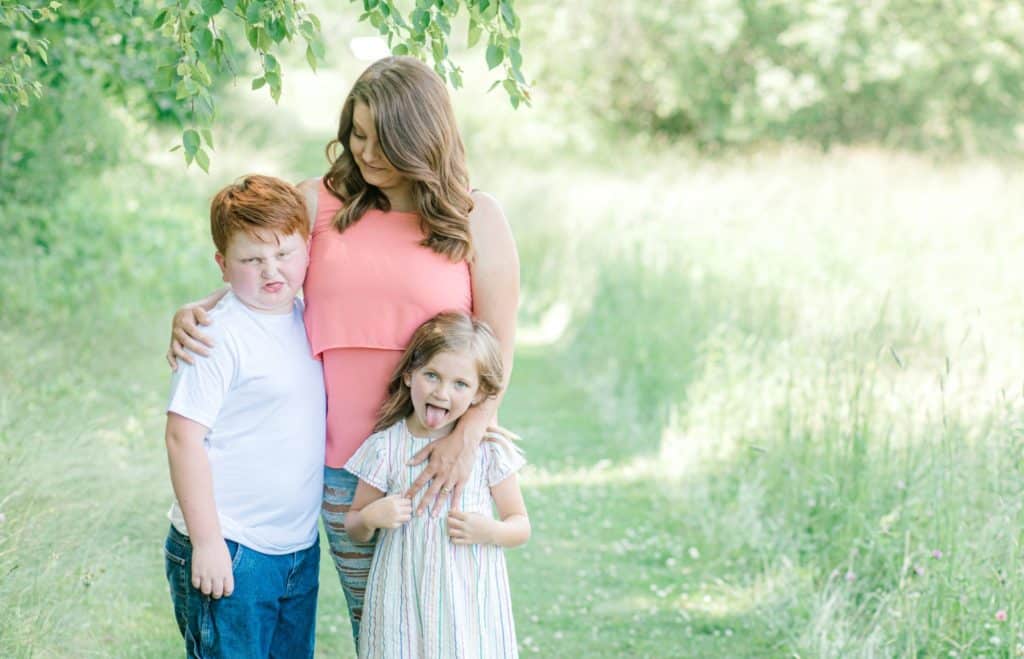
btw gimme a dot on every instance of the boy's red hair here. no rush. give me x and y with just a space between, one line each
255 205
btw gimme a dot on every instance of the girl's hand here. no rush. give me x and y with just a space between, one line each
185 335
211 569
451 463
470 528
388 513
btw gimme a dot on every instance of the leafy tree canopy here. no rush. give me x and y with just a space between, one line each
167 56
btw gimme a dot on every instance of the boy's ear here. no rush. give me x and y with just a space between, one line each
219 258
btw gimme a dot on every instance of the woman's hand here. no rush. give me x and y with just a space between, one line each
450 464
470 528
185 335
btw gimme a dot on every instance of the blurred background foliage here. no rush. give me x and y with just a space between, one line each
903 73
772 319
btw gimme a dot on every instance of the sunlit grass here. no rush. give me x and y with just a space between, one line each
772 404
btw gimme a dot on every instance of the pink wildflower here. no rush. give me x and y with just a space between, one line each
936 554
919 570
850 576
1001 615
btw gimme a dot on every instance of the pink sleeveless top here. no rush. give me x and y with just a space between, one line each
371 286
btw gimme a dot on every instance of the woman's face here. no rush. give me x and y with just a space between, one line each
366 151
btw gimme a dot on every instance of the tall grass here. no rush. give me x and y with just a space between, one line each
775 409
820 358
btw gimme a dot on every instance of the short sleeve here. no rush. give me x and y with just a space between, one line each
198 390
370 461
502 461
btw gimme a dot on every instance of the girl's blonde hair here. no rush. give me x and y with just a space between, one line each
417 133
450 331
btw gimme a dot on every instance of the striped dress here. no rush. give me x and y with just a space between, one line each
426 597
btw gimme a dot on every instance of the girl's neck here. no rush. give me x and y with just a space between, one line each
417 429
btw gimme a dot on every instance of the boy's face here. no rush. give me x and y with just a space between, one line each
265 275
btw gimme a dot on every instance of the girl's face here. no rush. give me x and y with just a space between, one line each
442 390
365 148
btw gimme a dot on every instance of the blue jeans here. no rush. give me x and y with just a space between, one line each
351 559
271 613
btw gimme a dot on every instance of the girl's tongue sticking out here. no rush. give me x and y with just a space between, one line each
435 416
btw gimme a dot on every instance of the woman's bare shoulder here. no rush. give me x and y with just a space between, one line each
310 189
486 214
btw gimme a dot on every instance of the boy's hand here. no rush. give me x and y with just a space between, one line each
388 513
211 569
470 528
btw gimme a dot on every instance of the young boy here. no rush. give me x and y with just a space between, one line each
245 443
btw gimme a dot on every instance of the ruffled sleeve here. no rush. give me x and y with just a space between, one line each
503 460
370 461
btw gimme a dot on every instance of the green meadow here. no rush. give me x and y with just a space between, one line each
771 399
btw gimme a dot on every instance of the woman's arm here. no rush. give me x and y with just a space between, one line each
495 281
510 530
371 510
185 334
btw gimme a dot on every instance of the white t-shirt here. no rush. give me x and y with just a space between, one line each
261 394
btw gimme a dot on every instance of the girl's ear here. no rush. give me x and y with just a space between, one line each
407 379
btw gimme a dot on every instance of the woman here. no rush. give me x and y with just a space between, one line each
398 236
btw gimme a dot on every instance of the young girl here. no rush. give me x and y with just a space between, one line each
438 585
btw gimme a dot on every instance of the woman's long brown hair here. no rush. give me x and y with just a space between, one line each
451 331
417 133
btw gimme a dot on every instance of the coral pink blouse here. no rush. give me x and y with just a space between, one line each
372 285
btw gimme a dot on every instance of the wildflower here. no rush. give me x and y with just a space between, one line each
694 553
3 518
1001 615
919 570
936 554
850 576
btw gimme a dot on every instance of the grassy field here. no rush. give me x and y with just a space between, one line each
772 403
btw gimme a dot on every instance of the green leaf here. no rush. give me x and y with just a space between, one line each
400 49
369 4
438 49
212 7
443 23
164 78
253 11
190 140
456 78
494 55
207 136
270 63
508 15
420 19
253 37
258 82
160 19
274 81
202 74
318 47
474 33
515 57
277 30
310 58
202 39
203 160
